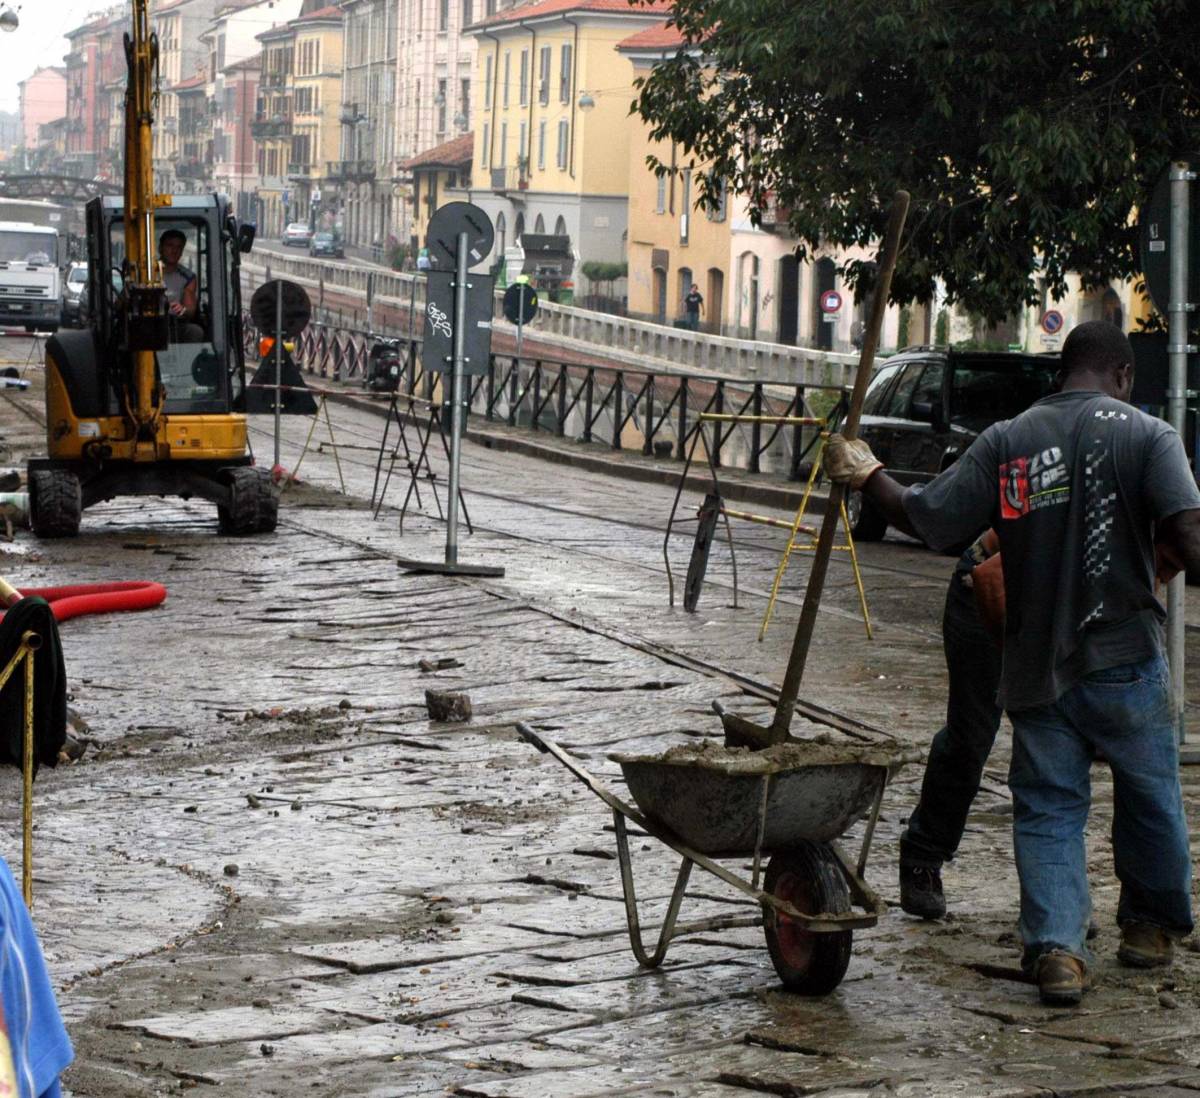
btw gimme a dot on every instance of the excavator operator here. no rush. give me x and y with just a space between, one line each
182 285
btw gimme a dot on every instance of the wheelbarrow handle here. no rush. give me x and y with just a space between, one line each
530 735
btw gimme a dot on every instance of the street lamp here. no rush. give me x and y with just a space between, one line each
461 121
586 102
9 20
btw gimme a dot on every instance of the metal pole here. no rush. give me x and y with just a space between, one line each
520 317
456 373
1178 309
278 360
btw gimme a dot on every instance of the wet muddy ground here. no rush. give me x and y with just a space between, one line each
273 874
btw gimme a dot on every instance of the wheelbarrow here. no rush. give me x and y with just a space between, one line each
788 803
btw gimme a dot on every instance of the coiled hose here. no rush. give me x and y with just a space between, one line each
76 599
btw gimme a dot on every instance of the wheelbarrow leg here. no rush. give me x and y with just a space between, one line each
647 960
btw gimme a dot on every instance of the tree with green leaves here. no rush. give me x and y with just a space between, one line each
1027 131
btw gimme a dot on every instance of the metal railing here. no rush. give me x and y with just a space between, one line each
646 410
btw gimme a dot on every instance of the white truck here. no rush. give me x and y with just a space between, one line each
31 259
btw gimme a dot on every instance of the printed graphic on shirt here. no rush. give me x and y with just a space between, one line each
1100 498
1028 484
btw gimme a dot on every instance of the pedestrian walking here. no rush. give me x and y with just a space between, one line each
1079 489
694 307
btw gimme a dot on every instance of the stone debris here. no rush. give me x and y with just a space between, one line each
447 706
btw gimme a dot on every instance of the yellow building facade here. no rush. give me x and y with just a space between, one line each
316 96
551 124
439 175
672 245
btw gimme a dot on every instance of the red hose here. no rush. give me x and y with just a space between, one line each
75 600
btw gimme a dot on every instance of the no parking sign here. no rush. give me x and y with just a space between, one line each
1052 322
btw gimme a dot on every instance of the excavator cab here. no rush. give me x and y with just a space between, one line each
194 443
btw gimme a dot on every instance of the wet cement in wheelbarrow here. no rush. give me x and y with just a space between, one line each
822 750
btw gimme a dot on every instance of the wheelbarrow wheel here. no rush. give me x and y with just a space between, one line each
810 878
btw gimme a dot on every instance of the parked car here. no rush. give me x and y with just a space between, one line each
326 244
297 234
74 288
925 406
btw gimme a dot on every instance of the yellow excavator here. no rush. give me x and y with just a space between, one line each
148 399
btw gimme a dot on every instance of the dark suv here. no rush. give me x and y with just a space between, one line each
925 407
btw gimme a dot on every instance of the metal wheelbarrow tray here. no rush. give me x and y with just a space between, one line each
790 801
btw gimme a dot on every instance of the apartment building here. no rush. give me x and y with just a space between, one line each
42 98
182 55
551 122
271 130
439 175
231 74
316 114
363 183
94 56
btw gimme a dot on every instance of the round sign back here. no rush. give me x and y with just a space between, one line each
1154 230
448 221
520 303
296 307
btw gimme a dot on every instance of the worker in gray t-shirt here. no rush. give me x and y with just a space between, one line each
182 287
1080 489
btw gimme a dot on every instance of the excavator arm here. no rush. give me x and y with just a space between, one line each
145 297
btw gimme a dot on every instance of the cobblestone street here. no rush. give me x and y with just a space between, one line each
275 875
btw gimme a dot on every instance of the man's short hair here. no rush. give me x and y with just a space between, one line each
1098 346
173 234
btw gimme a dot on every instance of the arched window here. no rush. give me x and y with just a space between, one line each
560 226
539 226
501 229
519 228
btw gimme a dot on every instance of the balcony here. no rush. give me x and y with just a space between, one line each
515 178
274 79
274 125
192 169
775 216
350 171
299 173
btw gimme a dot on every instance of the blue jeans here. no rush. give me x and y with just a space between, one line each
960 750
1124 714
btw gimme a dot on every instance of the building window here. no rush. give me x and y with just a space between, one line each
468 12
719 211
539 226
544 61
522 154
502 156
564 76
524 93
685 213
485 151
560 226
465 100
660 198
507 73
442 107
487 82
541 160
443 15
564 142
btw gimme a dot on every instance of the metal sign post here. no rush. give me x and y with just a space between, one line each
520 316
456 400
456 344
278 362
1178 313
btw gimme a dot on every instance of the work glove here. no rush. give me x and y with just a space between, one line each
849 461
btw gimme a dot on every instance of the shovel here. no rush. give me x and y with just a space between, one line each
740 732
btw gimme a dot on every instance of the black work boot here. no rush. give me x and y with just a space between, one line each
921 891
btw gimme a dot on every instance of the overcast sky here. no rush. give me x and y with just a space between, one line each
38 40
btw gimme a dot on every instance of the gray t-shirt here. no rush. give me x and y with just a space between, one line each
176 282
1073 487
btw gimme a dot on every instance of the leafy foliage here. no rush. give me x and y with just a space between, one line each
597 270
1027 131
